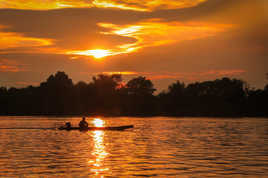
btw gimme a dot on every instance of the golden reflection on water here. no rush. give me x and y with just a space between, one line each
99 150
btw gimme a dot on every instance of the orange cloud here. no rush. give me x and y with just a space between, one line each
113 4
26 84
10 66
121 73
136 5
43 5
220 73
145 5
180 75
155 33
12 42
152 33
95 38
15 40
191 76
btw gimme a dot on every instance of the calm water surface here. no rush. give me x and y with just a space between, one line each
162 147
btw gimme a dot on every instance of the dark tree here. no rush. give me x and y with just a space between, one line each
141 100
57 94
82 98
105 93
266 86
174 101
108 95
223 97
4 105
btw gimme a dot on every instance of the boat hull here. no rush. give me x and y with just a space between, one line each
98 128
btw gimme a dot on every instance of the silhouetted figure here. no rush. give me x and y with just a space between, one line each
83 123
68 125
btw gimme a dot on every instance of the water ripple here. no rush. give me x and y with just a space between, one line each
156 147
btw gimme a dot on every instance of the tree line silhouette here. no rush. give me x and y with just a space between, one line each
108 95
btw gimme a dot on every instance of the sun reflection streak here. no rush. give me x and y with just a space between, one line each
99 151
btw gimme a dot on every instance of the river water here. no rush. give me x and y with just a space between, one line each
159 146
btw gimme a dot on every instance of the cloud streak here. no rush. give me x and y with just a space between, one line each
16 40
155 33
189 76
135 5
11 66
73 33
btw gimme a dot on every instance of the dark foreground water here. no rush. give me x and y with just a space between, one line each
163 147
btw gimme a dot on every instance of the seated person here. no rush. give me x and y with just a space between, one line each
83 123
68 125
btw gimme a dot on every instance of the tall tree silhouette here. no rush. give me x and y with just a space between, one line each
140 86
105 90
140 95
83 97
4 104
57 96
174 101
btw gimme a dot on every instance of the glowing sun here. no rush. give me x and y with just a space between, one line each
99 53
96 53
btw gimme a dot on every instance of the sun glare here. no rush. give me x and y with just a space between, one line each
97 122
96 53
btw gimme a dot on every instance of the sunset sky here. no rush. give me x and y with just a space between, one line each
164 40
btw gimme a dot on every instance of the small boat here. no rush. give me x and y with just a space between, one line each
119 128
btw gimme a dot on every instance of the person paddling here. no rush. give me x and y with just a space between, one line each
83 123
68 125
